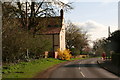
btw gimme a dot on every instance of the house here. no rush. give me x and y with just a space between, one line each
55 29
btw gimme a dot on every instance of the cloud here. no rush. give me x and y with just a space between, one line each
90 25
96 30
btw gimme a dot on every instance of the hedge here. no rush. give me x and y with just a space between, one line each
116 59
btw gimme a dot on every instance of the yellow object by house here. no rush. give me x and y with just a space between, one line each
64 54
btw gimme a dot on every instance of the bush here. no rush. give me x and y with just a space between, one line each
64 54
75 51
16 42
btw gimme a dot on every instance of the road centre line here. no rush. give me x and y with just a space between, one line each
80 70
82 74
79 66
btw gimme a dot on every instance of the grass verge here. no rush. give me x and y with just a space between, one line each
28 69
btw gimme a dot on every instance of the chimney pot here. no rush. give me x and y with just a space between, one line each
61 13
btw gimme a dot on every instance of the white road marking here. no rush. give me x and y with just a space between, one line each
82 74
80 70
79 66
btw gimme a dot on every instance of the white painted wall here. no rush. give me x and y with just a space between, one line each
62 37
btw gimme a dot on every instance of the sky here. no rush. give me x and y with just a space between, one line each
94 16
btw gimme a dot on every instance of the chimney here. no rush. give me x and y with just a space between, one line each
61 13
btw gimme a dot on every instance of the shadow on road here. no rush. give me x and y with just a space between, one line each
81 65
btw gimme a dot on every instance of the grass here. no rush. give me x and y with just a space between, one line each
30 69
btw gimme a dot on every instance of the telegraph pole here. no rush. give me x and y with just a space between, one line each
109 33
26 16
27 27
119 15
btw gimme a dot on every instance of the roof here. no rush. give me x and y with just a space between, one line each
51 25
50 30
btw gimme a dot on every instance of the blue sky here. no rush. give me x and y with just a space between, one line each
104 13
94 17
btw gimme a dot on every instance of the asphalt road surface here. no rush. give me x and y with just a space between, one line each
87 68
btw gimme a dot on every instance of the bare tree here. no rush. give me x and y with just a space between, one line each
75 38
28 12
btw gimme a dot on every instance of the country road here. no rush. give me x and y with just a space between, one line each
87 68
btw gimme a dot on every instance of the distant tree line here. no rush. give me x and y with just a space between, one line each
110 45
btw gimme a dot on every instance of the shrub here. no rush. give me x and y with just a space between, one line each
75 51
64 54
16 42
